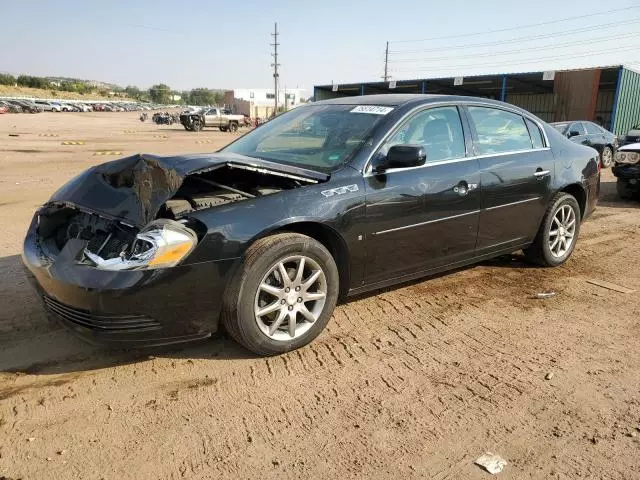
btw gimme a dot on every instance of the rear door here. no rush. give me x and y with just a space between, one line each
516 172
211 118
423 217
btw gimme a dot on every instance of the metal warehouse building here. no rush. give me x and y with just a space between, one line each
609 95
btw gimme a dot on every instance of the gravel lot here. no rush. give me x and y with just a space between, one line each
411 382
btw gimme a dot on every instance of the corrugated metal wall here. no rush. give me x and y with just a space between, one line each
603 108
540 104
575 92
627 112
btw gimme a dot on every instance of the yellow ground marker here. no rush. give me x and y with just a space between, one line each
159 136
129 131
200 142
48 135
73 143
108 152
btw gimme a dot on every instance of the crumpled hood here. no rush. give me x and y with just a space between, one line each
134 188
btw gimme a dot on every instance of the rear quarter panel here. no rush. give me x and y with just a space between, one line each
575 164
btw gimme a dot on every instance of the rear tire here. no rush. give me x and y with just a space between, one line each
606 158
552 245
625 192
259 266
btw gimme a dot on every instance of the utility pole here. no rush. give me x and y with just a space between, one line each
386 63
275 66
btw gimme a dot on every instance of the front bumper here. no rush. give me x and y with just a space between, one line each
627 172
127 308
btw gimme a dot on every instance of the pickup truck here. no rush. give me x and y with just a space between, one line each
211 117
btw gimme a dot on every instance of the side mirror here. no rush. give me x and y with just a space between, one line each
402 156
573 133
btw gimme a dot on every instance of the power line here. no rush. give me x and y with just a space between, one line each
520 50
518 40
510 29
526 62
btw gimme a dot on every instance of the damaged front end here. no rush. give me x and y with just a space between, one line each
108 252
134 213
114 245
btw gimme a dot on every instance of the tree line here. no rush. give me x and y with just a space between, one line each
160 93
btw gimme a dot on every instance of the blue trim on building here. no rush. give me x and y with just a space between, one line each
424 87
503 94
615 101
362 89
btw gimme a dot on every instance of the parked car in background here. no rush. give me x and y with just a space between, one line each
48 106
591 135
627 171
28 106
632 136
11 107
267 234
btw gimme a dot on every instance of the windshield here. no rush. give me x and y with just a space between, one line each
561 127
318 137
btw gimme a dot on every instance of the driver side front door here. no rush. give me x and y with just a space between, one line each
425 217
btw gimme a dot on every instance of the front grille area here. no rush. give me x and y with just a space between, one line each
105 323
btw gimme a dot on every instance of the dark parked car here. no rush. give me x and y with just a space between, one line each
267 234
627 171
591 135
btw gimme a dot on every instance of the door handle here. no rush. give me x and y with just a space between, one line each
463 188
539 173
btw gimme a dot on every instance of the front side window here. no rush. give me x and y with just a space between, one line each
499 131
318 137
438 130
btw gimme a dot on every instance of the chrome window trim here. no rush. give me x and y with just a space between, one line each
367 170
436 220
456 160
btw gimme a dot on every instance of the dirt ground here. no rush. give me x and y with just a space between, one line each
412 382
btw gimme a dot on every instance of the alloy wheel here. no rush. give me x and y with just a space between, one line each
562 231
607 157
290 298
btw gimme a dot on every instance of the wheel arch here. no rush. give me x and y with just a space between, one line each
329 238
579 193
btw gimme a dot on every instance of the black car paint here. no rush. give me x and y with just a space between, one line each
599 140
384 229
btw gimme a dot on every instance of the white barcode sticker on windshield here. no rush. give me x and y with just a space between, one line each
372 109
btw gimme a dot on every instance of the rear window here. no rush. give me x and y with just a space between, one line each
499 131
593 129
536 135
561 127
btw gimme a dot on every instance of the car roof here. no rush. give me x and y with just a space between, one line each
402 99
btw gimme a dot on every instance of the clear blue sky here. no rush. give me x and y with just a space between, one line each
222 44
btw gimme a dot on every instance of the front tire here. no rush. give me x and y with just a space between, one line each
282 294
606 158
558 232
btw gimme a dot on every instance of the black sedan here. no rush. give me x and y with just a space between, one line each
591 135
323 202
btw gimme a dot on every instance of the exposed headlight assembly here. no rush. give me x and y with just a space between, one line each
162 244
627 157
